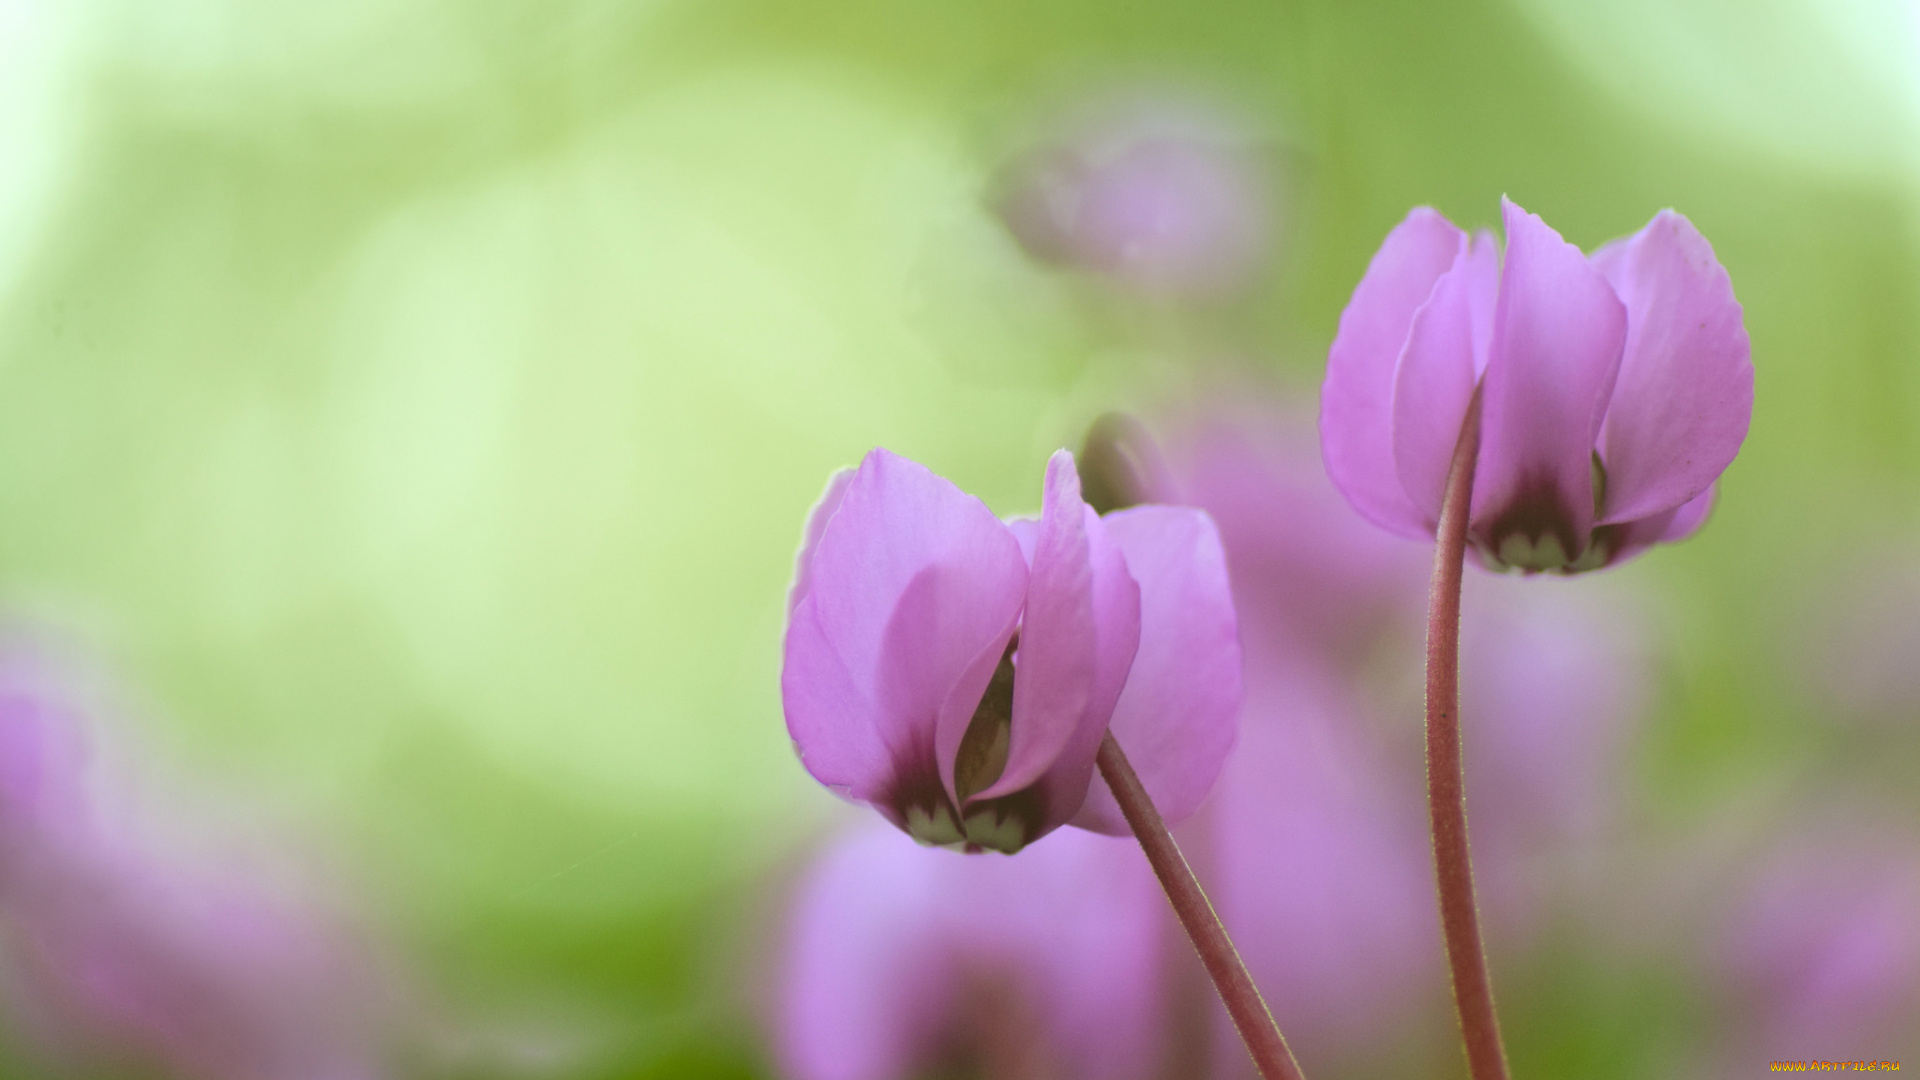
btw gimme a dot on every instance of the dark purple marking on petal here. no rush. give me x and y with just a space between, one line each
916 800
1535 531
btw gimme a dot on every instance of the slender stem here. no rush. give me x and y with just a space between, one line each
1446 790
1197 918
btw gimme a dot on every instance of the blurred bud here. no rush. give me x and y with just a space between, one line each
1164 196
1119 465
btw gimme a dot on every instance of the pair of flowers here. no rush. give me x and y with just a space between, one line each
958 673
898 957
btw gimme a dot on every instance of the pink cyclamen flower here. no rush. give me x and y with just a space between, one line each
900 961
958 672
1614 388
1163 197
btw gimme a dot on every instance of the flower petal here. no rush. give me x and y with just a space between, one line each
1055 662
1435 379
1061 791
1077 641
1356 413
1178 715
916 588
1685 394
1484 296
1630 539
822 512
1558 332
1026 531
830 716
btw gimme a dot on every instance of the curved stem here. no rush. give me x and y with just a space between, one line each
1446 789
1197 918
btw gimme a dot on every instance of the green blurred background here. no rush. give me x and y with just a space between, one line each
417 401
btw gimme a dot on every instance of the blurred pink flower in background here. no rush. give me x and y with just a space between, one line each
1559 679
1819 955
958 672
43 760
1614 388
901 960
1320 871
117 952
1317 831
1554 687
1313 842
1319 855
1157 194
1310 577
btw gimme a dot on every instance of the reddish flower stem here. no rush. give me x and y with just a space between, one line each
1197 918
1446 790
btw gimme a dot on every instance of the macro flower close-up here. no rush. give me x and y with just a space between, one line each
857 540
